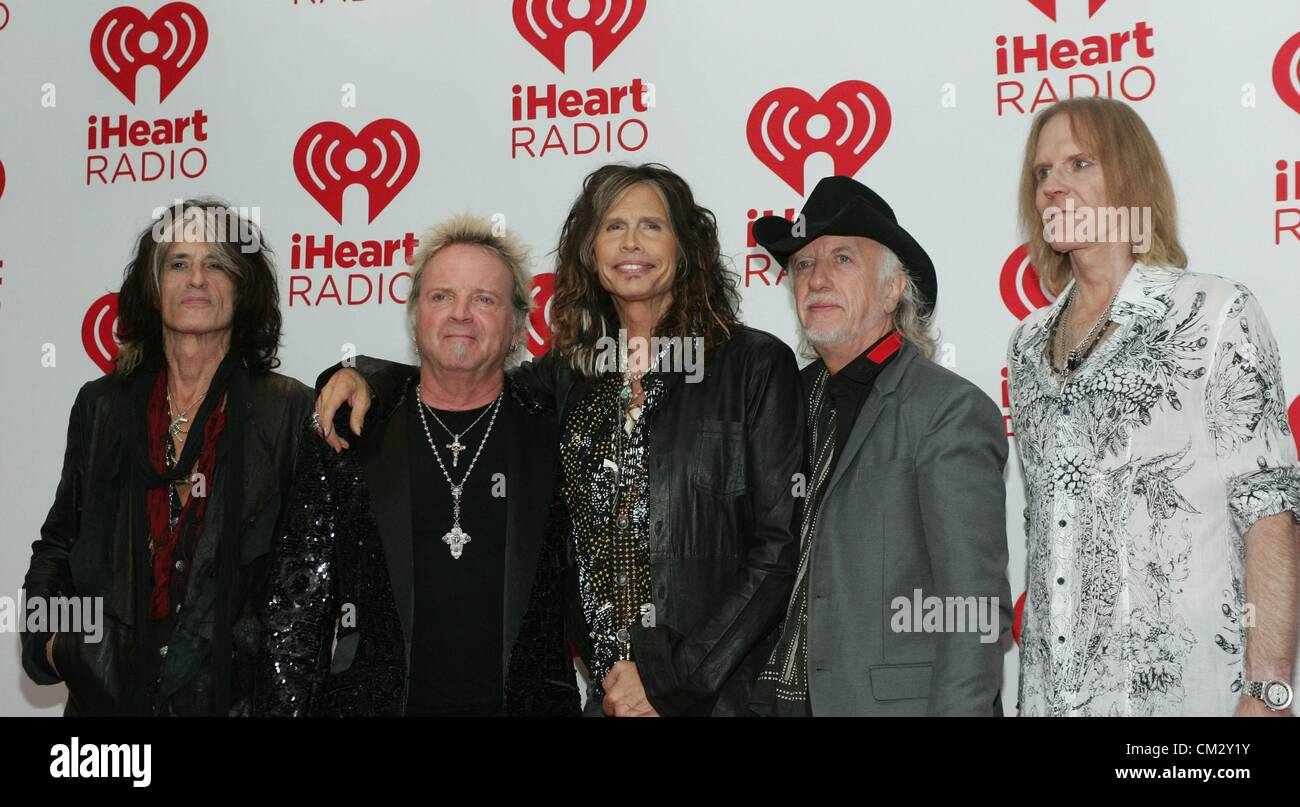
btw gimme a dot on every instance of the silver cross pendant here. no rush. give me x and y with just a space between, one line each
456 448
456 538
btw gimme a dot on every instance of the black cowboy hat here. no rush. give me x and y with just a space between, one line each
844 206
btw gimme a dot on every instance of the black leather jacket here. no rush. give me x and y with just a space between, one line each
85 550
723 455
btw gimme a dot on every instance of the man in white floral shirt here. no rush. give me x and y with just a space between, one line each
1160 472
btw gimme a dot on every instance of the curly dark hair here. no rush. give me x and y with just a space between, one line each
705 302
239 244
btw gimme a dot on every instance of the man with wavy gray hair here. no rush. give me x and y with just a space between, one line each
424 557
901 596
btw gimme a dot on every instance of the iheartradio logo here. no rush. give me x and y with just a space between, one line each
1022 290
1048 7
2 180
1286 72
848 123
125 40
547 25
1293 414
539 321
97 331
382 158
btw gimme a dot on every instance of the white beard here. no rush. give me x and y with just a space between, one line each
825 337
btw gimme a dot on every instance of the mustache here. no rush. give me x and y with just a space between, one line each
822 297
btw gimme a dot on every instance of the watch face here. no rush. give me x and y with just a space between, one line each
1277 694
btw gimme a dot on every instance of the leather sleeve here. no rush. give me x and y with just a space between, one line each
683 674
386 380
48 573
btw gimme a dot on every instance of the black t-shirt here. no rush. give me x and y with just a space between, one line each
456 652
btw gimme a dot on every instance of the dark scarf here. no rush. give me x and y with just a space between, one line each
230 383
169 541
782 686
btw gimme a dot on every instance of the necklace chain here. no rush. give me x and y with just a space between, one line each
1069 363
174 428
456 538
463 431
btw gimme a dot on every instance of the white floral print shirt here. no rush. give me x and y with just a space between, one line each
1142 478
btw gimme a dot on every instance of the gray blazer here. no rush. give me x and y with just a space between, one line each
916 501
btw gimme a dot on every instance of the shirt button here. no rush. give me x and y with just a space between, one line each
162 651
622 522
623 635
1060 581
178 607
179 565
622 579
1060 639
1061 523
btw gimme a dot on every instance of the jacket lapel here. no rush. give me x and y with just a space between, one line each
884 387
531 450
258 463
387 470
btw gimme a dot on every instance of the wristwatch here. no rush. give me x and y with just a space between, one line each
1276 695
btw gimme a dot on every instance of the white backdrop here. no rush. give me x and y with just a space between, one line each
939 107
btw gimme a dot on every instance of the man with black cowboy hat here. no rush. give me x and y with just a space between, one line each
901 594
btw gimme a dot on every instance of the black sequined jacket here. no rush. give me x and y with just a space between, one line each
724 453
340 613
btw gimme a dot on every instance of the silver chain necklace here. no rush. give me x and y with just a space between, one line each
174 429
455 538
1075 356
455 445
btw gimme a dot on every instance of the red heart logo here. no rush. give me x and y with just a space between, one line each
539 321
1022 290
547 24
97 331
115 47
391 156
1048 7
1286 72
2 179
778 129
1018 623
1293 414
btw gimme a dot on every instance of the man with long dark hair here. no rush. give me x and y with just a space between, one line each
174 480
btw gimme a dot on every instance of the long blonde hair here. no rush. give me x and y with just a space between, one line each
1135 176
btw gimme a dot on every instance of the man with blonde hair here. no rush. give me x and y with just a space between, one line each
425 557
1163 492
